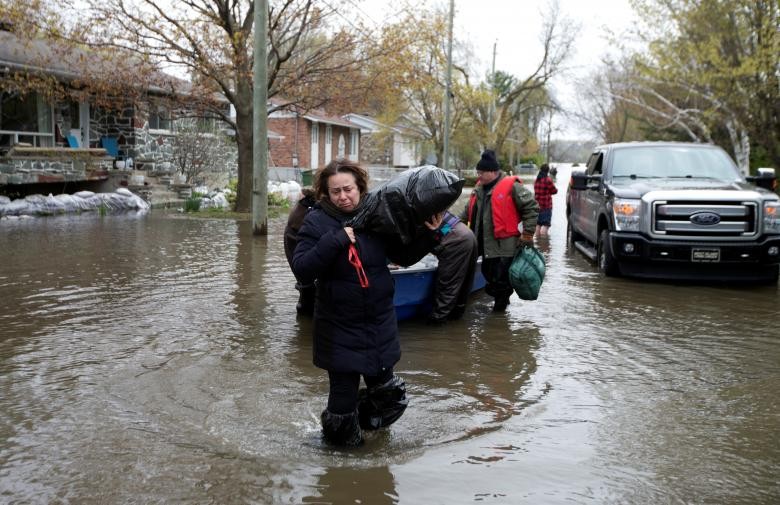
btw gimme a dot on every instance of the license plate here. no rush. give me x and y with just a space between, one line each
705 255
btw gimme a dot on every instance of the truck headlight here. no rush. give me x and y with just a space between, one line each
627 214
772 217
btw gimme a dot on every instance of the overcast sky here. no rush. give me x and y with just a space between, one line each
514 27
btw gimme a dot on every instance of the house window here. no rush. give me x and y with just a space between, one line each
353 144
74 113
206 124
160 119
328 143
25 119
79 121
342 146
315 133
314 160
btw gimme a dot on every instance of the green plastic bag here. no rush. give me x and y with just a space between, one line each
526 273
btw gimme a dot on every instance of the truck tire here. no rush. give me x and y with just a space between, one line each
608 265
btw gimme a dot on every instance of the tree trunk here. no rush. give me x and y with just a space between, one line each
245 170
740 141
743 159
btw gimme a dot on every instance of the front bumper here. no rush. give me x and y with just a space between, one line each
723 260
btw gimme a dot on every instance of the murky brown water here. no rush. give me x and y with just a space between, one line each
158 359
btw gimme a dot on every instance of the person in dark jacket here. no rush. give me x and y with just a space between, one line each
305 303
456 250
355 329
498 206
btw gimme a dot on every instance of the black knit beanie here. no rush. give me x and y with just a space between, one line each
487 163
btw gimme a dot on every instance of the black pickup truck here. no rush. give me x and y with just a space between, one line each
677 211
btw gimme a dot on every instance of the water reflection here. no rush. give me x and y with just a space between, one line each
161 360
465 378
341 485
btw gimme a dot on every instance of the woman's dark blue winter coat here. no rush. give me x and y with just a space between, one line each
355 329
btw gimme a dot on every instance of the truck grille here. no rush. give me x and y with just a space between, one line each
704 219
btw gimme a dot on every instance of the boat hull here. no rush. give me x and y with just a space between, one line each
414 287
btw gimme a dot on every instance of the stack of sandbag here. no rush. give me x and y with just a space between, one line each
289 190
401 205
214 200
40 205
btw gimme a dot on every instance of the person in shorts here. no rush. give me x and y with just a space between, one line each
544 189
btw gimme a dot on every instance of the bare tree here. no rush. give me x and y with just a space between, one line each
709 74
310 60
512 98
196 151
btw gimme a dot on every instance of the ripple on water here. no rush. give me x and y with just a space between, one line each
171 366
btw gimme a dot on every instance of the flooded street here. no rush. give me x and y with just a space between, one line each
159 359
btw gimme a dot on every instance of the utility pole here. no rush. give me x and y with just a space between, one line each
549 130
448 93
492 108
260 120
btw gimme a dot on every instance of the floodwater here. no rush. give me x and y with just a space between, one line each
158 359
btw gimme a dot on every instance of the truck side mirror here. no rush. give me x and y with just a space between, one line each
579 181
595 180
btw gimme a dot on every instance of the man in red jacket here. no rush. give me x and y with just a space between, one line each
502 213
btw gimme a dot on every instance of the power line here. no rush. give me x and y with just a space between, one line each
349 21
377 25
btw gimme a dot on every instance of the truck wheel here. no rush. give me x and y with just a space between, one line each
607 262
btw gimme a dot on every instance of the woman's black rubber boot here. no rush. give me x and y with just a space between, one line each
341 429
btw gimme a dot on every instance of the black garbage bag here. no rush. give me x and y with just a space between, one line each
401 205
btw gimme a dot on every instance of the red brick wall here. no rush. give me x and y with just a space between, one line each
281 151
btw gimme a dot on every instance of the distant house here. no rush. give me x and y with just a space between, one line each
311 139
387 146
45 141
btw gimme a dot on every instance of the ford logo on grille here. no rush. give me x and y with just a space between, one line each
705 218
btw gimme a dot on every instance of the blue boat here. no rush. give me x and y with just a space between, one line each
414 287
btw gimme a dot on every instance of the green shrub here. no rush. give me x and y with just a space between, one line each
192 204
471 180
536 158
277 200
232 185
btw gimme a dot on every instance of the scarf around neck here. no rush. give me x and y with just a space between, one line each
333 211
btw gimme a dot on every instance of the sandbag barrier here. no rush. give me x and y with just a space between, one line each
82 201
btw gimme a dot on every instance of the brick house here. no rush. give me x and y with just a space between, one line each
309 141
75 140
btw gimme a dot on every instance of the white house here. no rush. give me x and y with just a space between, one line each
387 146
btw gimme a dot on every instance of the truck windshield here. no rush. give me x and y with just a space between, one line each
674 161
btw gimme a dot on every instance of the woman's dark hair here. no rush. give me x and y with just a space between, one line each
340 165
543 171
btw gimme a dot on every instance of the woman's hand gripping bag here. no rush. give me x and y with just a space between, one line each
526 273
